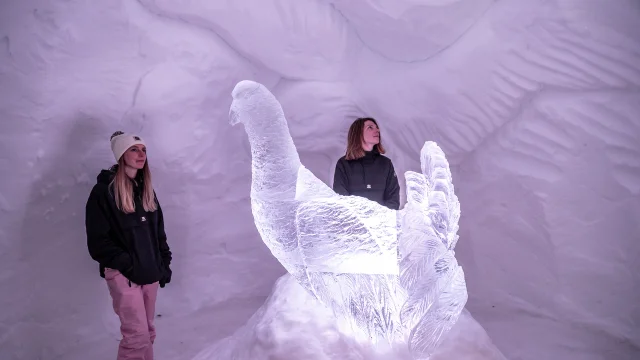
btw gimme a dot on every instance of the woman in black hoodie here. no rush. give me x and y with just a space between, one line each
125 235
364 171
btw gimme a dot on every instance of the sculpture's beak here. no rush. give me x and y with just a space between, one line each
234 117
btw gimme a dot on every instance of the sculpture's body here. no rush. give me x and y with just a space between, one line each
388 274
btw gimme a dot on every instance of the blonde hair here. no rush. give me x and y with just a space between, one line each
123 189
356 137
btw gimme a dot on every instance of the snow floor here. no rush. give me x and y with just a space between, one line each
293 325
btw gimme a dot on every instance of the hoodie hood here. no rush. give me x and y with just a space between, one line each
106 176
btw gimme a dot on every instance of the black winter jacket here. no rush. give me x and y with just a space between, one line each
134 244
371 176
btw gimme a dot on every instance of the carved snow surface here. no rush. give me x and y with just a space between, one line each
387 275
293 325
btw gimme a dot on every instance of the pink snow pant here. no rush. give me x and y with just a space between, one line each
135 306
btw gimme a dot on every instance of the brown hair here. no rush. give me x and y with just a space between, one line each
123 188
355 138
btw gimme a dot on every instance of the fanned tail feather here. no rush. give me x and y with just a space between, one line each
429 271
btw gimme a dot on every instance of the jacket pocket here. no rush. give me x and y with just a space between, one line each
129 225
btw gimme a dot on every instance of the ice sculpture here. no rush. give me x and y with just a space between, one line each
388 275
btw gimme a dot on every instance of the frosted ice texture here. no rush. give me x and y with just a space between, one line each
430 274
386 274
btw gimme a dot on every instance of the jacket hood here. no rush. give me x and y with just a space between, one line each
106 176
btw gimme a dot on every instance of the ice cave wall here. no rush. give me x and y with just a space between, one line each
535 102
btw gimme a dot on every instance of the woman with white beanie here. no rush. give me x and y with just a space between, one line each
125 235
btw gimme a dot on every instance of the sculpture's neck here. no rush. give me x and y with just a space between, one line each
275 161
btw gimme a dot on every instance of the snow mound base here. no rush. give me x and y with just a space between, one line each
291 324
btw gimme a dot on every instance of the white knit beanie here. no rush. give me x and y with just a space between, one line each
120 142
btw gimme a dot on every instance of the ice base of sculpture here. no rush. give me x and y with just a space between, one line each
293 325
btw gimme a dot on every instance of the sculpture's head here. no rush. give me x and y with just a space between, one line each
252 102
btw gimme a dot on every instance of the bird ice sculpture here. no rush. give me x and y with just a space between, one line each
386 274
